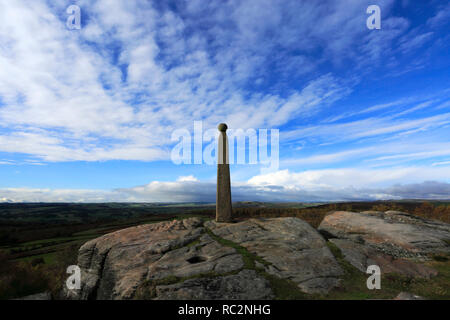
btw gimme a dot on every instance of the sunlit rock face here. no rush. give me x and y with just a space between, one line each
395 241
119 264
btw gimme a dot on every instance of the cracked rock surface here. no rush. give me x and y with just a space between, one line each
204 257
246 285
115 265
395 241
293 249
189 259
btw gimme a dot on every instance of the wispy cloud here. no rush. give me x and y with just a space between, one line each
117 88
442 163
366 128
441 17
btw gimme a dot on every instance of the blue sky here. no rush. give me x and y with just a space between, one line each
87 115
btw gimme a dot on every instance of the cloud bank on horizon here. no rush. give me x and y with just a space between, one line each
193 190
363 114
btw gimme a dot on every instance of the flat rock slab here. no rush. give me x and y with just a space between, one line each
394 233
246 285
115 265
293 249
395 241
205 257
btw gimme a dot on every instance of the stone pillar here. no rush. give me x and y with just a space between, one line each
223 196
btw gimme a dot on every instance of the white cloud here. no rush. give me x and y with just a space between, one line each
60 195
442 163
117 88
71 103
187 178
346 178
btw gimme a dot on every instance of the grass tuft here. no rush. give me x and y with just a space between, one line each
248 257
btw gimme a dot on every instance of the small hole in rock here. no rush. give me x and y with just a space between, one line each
196 259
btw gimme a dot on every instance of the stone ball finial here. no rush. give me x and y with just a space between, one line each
222 127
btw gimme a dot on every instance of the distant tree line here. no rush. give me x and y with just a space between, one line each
315 215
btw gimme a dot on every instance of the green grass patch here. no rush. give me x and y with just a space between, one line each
43 246
54 241
440 258
354 282
354 287
91 232
284 289
193 243
436 288
337 253
248 257
49 258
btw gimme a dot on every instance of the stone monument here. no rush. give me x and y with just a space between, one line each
223 196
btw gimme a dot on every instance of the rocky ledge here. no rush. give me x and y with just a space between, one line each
189 259
395 241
